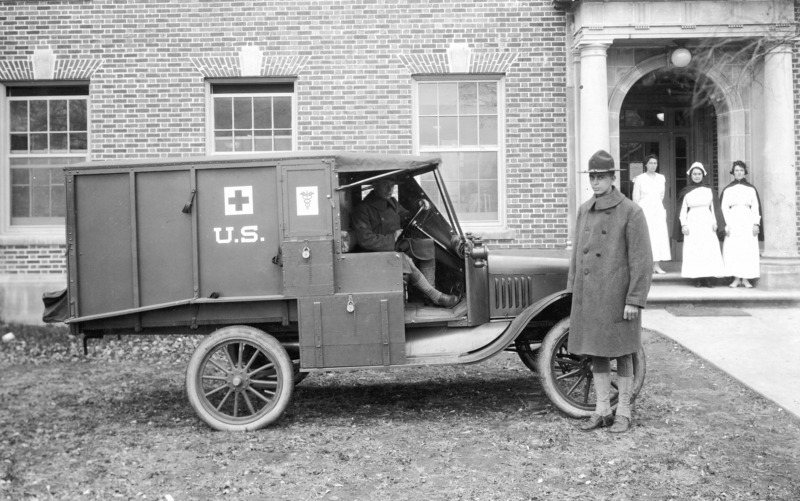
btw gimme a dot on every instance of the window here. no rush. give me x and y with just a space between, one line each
252 117
460 120
47 129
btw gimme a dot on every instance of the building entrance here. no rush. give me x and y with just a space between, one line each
667 114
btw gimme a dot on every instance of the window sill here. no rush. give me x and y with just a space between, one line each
44 238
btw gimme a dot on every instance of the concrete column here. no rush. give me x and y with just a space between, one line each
593 116
780 266
573 151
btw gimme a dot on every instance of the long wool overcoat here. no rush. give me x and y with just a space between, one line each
611 266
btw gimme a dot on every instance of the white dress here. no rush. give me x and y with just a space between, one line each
740 250
701 254
648 192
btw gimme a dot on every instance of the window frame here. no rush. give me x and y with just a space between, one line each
210 129
490 228
23 234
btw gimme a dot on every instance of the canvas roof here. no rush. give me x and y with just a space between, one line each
344 161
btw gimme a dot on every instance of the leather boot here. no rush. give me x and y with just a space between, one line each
417 279
622 422
602 414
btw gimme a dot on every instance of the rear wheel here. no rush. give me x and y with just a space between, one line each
567 377
239 379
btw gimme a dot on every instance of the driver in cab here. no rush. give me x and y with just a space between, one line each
378 224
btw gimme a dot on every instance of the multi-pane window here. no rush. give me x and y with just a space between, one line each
253 117
48 129
460 121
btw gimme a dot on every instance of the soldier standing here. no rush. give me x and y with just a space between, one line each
609 277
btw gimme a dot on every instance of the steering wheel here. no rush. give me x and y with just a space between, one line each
424 206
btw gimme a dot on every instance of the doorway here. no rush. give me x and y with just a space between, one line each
665 114
672 151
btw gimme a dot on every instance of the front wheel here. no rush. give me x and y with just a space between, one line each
567 377
239 379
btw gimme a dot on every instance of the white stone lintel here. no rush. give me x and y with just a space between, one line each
44 64
250 59
458 55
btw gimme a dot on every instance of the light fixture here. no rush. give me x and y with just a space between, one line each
681 57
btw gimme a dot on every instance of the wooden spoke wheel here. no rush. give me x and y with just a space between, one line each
239 379
567 377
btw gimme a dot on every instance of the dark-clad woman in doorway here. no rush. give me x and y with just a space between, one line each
741 207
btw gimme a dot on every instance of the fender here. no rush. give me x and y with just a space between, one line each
512 331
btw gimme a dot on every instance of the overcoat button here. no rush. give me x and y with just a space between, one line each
585 251
598 254
585 272
603 232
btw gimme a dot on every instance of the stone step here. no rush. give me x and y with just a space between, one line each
673 294
670 289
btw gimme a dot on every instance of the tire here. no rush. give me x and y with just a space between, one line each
567 378
239 379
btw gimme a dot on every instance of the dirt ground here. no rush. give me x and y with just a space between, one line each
117 425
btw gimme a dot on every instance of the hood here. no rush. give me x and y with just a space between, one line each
528 262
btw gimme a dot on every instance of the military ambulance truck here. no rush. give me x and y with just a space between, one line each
258 254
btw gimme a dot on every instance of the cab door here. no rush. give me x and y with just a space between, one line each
307 229
350 305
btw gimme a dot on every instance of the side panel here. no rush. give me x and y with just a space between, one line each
104 243
369 272
308 268
369 335
164 236
238 231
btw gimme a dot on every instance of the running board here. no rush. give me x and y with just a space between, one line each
442 341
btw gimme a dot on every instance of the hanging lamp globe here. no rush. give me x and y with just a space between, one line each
681 57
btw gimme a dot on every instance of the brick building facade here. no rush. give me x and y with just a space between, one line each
152 79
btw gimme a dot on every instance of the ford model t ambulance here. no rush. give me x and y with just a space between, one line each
259 253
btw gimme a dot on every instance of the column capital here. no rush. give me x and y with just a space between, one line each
593 48
779 48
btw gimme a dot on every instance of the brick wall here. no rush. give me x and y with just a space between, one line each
353 92
33 259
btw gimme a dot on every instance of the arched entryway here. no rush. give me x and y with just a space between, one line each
679 114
